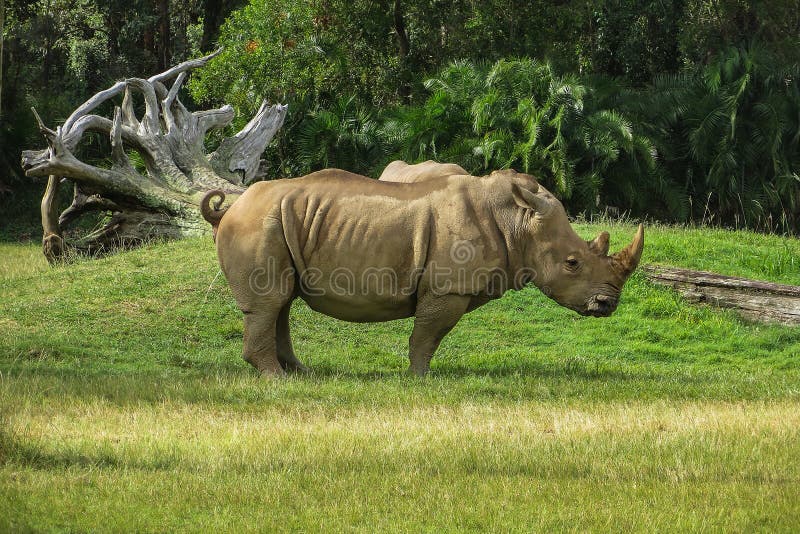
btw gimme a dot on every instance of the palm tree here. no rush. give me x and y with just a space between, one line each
731 132
521 113
345 136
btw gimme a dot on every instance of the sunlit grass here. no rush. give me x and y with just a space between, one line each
483 465
125 405
20 261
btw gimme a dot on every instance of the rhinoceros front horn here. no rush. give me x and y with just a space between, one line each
628 258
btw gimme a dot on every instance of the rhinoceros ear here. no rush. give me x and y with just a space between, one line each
599 245
528 200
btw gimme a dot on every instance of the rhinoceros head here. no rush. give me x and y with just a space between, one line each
577 274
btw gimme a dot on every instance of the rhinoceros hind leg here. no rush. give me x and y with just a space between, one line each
434 318
286 355
260 347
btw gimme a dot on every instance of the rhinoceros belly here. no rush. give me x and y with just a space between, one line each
361 309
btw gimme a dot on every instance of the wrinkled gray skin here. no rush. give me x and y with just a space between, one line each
365 250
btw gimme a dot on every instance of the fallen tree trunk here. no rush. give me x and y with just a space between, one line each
161 200
754 299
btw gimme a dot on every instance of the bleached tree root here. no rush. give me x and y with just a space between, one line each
162 201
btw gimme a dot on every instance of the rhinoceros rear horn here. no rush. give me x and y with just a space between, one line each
599 245
628 258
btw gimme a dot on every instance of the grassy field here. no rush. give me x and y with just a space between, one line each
125 405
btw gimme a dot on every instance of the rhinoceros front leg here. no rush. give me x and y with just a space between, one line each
435 316
286 355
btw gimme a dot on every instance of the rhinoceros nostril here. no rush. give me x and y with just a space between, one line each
601 304
595 305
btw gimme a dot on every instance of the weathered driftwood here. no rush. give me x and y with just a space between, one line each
162 201
754 299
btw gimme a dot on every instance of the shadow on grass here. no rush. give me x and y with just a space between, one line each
572 368
235 386
45 363
16 451
577 368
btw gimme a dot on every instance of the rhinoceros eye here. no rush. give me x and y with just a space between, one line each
572 263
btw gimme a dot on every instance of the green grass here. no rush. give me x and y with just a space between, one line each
125 405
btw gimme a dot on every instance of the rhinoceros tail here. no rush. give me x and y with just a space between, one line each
213 214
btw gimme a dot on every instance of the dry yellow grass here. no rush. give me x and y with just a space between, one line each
203 435
19 261
403 468
63 421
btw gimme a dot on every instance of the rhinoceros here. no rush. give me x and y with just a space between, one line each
400 171
366 250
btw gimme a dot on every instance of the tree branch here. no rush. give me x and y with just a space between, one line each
212 119
93 102
118 155
53 245
166 104
241 153
183 67
83 203
119 87
127 109
152 126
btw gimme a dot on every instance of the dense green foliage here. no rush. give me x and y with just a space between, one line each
730 134
125 404
652 112
677 110
522 114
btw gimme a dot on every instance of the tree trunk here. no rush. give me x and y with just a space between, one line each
404 47
113 26
2 40
214 14
163 201
211 11
163 47
754 299
48 45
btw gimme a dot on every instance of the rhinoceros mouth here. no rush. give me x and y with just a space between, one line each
600 305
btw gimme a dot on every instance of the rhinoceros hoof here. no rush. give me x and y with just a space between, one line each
273 374
297 368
